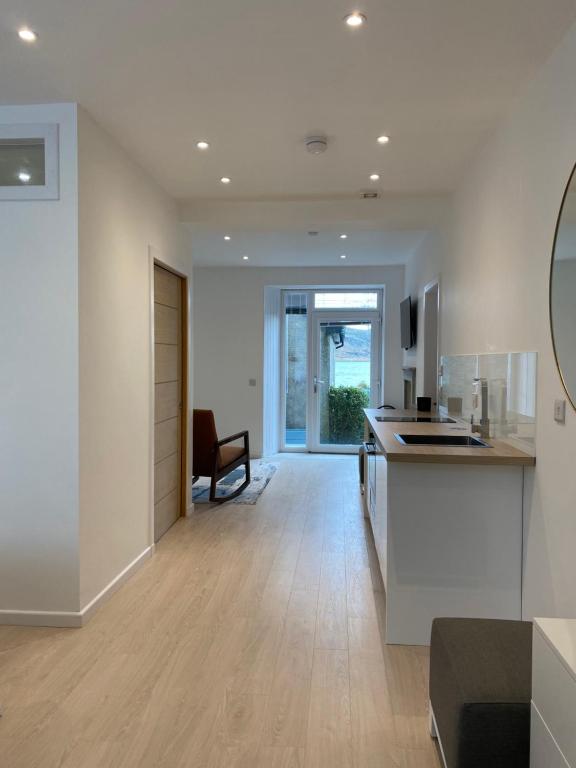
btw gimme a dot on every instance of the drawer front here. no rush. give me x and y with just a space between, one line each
554 695
544 752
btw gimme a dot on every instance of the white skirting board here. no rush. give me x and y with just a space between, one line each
74 618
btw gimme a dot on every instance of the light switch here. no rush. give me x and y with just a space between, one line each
251 382
560 411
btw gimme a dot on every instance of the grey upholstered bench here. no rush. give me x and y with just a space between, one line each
480 689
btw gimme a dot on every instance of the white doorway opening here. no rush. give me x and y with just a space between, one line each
331 366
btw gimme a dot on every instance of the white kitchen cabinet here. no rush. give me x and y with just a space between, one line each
380 516
449 543
553 728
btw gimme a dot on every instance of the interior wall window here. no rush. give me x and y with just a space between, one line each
29 162
295 369
22 162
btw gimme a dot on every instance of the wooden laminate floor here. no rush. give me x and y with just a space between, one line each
252 639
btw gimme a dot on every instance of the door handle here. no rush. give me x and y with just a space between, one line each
316 382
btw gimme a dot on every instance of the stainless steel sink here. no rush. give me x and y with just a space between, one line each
448 441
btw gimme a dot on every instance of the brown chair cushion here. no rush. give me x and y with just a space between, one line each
229 454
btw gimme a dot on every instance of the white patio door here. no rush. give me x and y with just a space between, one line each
344 377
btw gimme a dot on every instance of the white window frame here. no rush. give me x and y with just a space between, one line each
372 316
50 189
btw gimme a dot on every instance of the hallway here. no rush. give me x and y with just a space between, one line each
252 639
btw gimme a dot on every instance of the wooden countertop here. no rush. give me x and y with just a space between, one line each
499 451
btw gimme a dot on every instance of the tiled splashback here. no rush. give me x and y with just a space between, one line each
511 391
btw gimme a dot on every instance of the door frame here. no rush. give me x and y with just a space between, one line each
345 317
154 259
429 359
310 290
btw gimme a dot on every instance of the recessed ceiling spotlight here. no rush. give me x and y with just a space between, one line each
225 180
374 176
343 256
24 176
355 19
343 237
227 237
28 35
244 258
383 139
202 145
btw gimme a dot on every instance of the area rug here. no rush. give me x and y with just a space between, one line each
261 472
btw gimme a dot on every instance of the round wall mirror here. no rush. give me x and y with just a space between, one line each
563 291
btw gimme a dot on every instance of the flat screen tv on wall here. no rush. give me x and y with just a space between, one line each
407 323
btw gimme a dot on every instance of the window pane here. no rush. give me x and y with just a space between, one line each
296 368
346 300
22 163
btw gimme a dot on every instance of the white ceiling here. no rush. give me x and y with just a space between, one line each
383 231
289 249
254 77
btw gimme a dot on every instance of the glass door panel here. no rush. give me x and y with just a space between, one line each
345 381
295 371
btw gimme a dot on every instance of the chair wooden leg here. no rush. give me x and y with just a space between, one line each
213 482
237 492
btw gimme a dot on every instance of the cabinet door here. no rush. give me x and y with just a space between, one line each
381 513
371 483
554 698
544 752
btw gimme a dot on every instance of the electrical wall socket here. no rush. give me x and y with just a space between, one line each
560 411
251 382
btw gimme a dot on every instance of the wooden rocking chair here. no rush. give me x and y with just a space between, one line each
215 458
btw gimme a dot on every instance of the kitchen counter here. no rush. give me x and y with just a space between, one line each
499 452
447 525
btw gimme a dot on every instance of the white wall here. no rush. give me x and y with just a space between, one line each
39 386
122 213
495 298
76 407
229 329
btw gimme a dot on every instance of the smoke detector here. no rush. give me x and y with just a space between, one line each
316 144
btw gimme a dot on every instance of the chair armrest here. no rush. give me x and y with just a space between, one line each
232 438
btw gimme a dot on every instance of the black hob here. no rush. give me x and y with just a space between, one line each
417 419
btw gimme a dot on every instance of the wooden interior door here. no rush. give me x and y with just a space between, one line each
169 478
